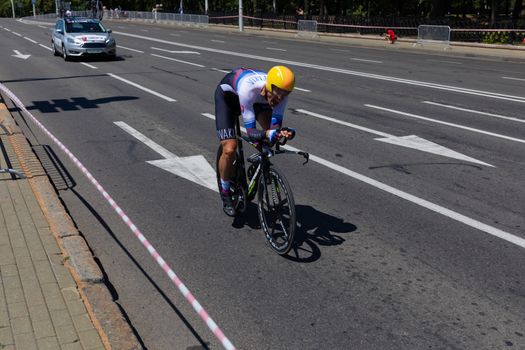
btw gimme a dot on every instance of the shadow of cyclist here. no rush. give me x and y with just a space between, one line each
250 217
315 229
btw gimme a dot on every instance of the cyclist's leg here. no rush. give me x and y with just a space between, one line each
227 108
226 161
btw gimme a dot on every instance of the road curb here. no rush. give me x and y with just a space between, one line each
107 317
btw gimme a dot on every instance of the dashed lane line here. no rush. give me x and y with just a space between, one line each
138 86
30 40
130 49
88 65
511 78
45 47
363 60
180 61
446 123
474 111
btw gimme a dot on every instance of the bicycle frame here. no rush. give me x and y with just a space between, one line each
261 158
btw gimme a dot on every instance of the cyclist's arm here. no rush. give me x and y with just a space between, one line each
248 117
277 121
278 114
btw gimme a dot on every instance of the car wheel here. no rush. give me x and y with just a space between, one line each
64 54
55 52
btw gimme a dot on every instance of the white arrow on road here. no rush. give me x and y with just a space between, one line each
411 141
19 55
193 168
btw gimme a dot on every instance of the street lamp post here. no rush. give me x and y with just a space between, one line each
13 7
241 26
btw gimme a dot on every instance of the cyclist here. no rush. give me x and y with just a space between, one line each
258 97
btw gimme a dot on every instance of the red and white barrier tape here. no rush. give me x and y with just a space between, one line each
171 274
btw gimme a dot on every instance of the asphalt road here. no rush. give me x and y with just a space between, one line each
398 248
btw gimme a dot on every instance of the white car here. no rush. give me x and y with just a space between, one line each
75 37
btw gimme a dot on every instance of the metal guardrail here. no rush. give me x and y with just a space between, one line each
430 34
307 28
159 17
152 17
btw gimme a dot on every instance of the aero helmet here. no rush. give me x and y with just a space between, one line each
280 76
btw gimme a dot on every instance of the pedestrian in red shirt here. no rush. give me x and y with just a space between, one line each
391 36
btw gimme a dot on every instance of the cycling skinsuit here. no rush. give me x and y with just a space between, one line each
239 92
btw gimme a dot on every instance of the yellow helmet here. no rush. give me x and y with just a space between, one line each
280 76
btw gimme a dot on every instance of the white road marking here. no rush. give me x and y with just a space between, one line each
29 39
45 47
340 122
443 61
17 34
20 55
410 141
296 88
88 65
43 27
130 49
446 123
476 112
275 49
421 202
340 50
193 168
7 29
145 140
420 144
176 60
164 97
221 70
174 51
413 199
218 41
208 115
487 94
363 60
510 78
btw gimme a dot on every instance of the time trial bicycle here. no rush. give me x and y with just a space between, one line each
275 202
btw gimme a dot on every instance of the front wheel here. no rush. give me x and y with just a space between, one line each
55 52
65 56
276 208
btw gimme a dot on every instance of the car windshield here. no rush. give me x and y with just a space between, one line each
84 27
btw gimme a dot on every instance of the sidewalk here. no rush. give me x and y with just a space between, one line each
52 294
